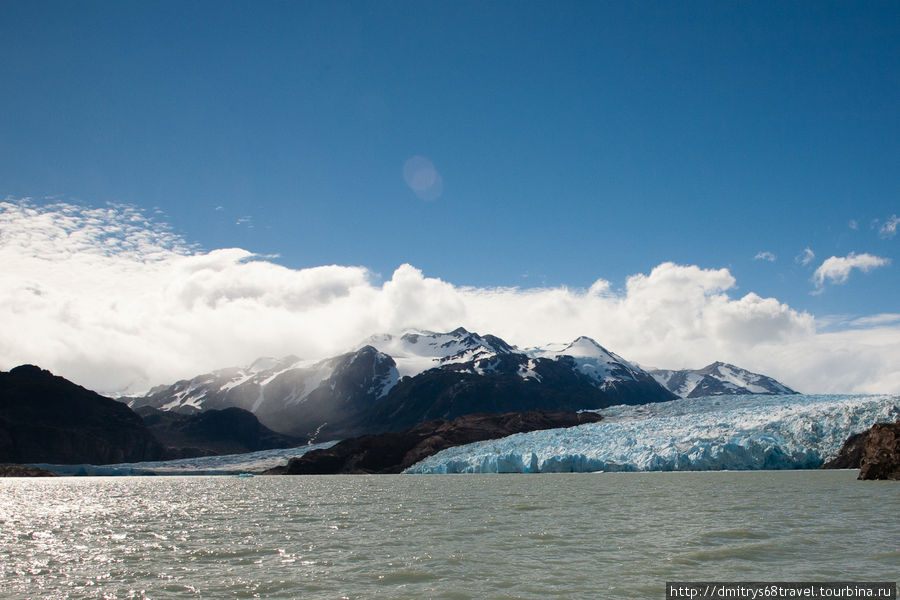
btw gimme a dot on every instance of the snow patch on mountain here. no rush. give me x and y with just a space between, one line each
527 371
261 371
737 378
313 376
711 433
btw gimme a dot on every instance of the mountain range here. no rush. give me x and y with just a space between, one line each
391 383
394 382
717 379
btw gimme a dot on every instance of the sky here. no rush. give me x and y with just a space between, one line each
189 185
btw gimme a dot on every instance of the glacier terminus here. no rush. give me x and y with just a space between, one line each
747 432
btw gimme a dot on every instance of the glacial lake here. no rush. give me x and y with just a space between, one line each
602 535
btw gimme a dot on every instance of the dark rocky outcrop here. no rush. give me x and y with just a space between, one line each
213 432
394 452
23 471
875 452
881 452
48 419
849 455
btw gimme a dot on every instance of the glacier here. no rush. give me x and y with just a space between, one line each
746 432
228 464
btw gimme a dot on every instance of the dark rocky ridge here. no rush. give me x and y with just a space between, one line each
48 419
394 452
23 471
449 394
875 452
212 432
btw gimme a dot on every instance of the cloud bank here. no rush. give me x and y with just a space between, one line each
114 301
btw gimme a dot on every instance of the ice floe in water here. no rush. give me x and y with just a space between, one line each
710 433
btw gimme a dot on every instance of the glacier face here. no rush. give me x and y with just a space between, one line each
709 433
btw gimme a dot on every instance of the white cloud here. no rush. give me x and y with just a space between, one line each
112 300
874 320
853 224
837 268
766 255
888 229
805 257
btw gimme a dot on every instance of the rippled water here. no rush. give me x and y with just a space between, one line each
608 535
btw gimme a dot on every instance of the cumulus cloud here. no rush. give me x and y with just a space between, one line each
837 268
115 301
766 255
805 257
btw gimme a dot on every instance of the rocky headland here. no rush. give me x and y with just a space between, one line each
24 471
875 452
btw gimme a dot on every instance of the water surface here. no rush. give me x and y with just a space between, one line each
605 535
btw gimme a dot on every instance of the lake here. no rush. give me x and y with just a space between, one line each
602 535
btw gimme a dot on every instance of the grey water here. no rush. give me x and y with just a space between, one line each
603 535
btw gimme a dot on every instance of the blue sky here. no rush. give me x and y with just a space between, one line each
573 140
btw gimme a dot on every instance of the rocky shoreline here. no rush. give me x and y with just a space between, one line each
875 452
24 471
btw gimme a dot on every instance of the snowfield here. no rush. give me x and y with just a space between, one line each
693 434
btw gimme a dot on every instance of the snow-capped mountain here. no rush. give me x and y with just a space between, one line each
689 434
717 379
395 382
287 395
606 369
417 351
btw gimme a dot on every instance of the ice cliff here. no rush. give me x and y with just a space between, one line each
709 433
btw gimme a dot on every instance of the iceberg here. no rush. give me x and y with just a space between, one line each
692 434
